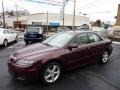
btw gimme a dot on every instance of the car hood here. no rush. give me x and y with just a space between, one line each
34 49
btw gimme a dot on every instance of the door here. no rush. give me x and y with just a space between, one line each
12 35
7 35
77 57
95 47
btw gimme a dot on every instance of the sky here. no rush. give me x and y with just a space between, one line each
104 10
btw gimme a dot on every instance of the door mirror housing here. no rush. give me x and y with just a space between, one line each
71 46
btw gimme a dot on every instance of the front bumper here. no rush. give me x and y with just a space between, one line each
24 73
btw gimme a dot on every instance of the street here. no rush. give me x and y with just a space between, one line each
91 77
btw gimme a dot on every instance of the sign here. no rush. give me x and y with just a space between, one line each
54 24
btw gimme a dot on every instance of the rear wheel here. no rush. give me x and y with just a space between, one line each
105 57
26 43
51 73
5 43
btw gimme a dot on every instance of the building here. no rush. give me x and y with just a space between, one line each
117 25
53 20
118 16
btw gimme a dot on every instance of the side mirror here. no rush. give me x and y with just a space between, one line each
71 46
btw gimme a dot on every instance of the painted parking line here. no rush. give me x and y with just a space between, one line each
114 42
17 45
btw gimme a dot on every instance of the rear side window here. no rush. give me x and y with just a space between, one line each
81 39
5 31
94 37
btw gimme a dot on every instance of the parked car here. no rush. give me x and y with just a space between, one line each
63 29
62 51
7 36
33 34
83 27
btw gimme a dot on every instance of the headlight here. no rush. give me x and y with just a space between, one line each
12 57
25 62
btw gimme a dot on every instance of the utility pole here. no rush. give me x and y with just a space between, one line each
16 14
63 12
47 22
73 27
3 14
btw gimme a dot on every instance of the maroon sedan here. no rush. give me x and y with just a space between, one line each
62 51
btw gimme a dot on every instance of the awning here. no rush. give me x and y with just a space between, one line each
54 24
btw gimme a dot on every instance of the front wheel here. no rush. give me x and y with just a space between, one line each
5 43
51 73
105 57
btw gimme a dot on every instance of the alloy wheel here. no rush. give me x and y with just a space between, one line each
52 73
105 57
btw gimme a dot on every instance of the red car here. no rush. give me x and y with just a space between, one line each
62 51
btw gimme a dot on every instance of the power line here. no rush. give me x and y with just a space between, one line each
97 4
87 4
97 12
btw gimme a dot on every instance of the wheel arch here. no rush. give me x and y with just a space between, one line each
54 60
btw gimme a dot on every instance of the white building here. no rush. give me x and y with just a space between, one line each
53 19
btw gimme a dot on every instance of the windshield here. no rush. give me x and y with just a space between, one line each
33 30
59 39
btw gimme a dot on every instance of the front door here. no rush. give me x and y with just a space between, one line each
76 57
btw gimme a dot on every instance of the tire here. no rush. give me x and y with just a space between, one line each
5 43
16 39
105 57
51 73
26 43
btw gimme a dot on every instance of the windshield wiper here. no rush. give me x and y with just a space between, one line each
47 44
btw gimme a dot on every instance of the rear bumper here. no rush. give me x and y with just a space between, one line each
1 42
32 39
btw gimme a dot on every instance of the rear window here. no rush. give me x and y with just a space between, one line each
33 30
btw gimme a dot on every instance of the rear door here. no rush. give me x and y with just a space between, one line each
7 35
12 35
96 46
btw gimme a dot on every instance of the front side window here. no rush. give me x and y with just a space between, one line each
94 37
81 39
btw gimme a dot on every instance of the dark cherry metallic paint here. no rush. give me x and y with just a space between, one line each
43 54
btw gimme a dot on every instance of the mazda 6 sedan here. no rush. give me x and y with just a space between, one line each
62 51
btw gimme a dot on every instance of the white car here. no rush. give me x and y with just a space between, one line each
7 36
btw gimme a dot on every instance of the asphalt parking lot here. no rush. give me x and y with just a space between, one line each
91 77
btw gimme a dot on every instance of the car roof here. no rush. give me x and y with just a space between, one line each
78 32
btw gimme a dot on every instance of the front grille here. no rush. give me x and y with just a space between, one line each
12 59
